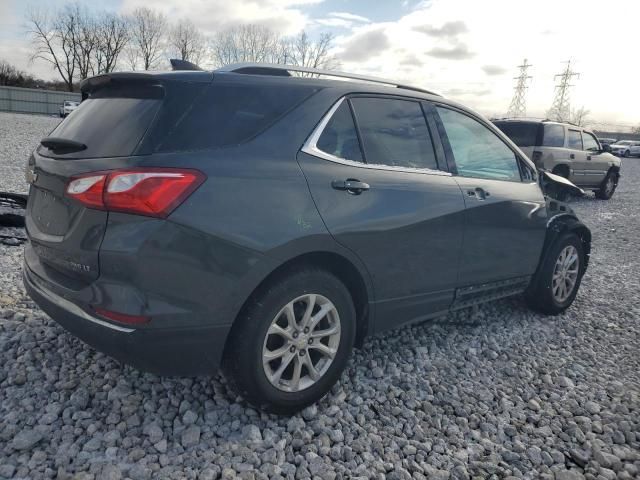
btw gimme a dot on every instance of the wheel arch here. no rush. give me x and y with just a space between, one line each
561 167
340 266
566 223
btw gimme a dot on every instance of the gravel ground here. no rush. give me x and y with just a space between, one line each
494 392
19 135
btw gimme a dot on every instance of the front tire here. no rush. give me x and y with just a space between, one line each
555 286
608 186
292 341
626 153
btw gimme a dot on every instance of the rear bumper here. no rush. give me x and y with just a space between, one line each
163 351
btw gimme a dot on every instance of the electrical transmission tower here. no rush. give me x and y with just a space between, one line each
518 106
561 108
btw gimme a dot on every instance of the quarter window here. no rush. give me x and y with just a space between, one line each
590 142
478 152
575 140
394 132
339 137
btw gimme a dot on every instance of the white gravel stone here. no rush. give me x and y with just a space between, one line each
491 392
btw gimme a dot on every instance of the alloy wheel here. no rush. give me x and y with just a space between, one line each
565 273
301 343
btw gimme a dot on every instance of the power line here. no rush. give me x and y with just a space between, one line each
561 107
518 106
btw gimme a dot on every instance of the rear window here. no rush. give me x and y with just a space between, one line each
110 123
523 134
228 114
553 135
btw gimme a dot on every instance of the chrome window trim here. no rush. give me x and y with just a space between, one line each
310 148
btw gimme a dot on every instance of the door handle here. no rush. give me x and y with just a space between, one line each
479 193
572 156
351 185
588 157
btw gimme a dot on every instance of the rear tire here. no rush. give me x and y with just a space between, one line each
270 368
626 153
555 286
608 186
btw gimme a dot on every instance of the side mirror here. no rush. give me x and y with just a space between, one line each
606 147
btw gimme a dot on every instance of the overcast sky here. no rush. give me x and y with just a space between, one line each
466 49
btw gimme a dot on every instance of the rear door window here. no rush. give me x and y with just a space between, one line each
339 138
478 152
394 132
110 122
574 140
553 135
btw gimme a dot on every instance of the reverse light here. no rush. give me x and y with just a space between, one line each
122 317
153 192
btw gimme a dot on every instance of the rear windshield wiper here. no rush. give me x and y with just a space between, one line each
62 145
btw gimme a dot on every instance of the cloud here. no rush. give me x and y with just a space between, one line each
349 16
457 52
284 16
365 45
447 30
493 69
410 60
461 92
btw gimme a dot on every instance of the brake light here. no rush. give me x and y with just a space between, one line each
153 192
121 317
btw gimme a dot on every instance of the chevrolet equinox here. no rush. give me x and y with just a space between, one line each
266 223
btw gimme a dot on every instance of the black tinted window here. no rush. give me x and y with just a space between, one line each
228 114
110 123
575 140
394 132
478 152
553 135
339 137
523 134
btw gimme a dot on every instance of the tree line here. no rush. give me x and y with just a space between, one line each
79 42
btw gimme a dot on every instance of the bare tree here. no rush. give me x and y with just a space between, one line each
256 43
148 37
187 41
636 130
112 31
81 27
580 116
245 43
304 52
53 42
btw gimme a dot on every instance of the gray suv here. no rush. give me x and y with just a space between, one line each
566 150
267 223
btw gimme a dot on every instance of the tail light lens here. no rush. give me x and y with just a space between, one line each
122 317
154 192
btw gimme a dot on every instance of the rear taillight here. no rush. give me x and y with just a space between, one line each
153 192
122 317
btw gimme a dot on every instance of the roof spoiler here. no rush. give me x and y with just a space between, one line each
177 64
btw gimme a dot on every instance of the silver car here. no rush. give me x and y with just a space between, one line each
626 148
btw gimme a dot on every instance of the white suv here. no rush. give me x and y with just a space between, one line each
626 148
67 107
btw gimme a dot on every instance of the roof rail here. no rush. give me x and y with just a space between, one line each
283 70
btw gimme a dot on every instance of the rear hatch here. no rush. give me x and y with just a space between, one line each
104 133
